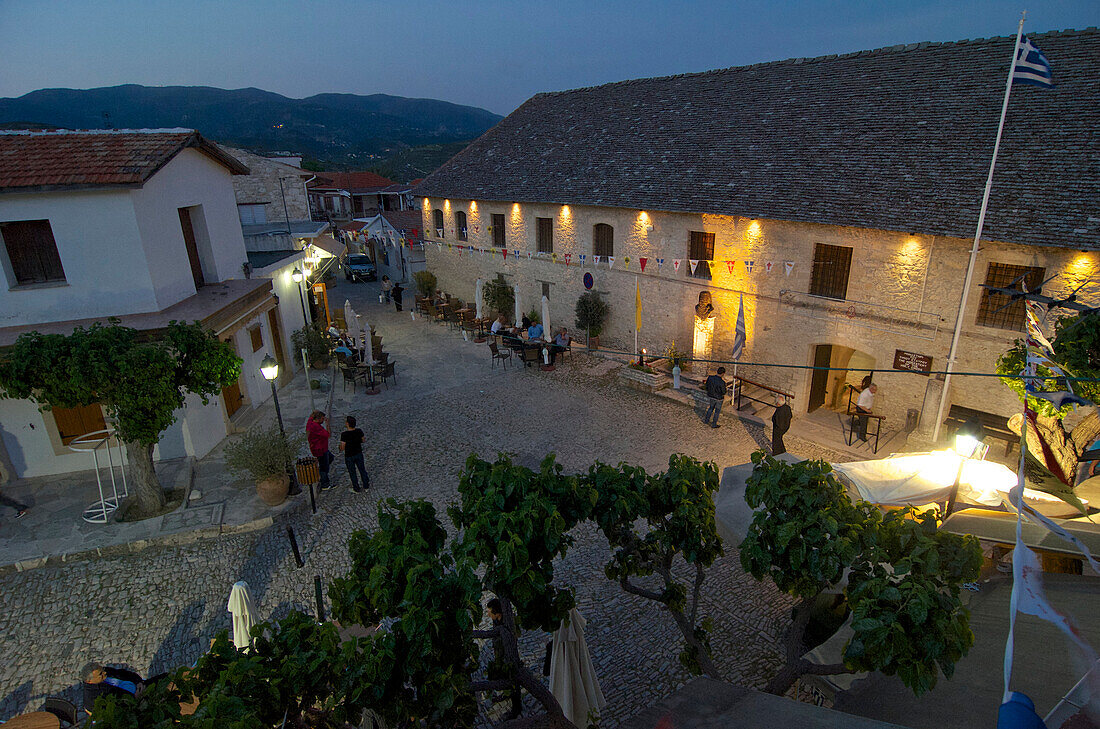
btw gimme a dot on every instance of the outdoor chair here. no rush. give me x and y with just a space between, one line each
350 375
63 710
567 350
531 355
386 371
502 355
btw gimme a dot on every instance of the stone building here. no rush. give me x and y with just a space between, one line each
837 197
343 195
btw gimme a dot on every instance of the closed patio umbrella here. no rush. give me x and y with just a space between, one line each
572 675
519 311
478 298
244 615
364 328
546 319
352 320
349 313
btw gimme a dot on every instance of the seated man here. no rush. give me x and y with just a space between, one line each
561 343
99 680
499 325
534 332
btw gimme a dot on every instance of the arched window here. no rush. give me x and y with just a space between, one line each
437 216
603 240
460 224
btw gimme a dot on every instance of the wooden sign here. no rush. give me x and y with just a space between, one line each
912 362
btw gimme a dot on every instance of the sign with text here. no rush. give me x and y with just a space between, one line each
912 362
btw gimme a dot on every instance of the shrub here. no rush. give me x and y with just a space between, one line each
592 313
426 282
676 357
313 339
262 452
499 296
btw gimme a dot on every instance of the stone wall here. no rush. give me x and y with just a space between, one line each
262 186
903 292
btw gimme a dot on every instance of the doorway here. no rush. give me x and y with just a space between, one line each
819 383
231 395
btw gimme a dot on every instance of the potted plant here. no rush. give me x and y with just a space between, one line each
313 339
499 296
592 313
266 455
426 282
677 361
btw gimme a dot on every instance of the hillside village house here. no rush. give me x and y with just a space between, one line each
838 196
141 225
346 195
392 239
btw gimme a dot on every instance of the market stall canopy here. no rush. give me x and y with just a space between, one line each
925 478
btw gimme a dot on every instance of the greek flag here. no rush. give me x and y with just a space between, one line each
1032 67
739 335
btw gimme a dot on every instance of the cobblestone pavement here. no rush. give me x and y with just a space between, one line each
158 609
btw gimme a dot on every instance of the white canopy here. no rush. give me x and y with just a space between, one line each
478 298
572 675
924 478
546 334
244 615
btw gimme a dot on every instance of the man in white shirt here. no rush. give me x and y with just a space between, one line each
863 405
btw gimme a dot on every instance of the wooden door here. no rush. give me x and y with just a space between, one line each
823 355
232 395
75 422
192 246
277 343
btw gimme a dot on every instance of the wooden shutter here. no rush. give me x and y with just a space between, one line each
603 240
544 235
437 216
192 246
75 422
498 230
257 337
460 224
832 265
32 251
998 310
700 248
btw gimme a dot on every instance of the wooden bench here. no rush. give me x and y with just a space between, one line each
993 426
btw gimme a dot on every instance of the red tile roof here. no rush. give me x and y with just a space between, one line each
407 220
59 160
351 181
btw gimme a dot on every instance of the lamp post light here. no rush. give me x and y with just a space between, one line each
968 439
269 369
297 277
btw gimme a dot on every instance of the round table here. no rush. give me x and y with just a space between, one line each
34 720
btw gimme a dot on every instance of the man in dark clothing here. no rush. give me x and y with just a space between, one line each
351 443
499 669
99 680
716 393
781 423
396 293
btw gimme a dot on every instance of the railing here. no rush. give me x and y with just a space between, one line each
921 324
856 414
739 395
100 511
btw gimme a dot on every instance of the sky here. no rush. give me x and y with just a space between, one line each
491 53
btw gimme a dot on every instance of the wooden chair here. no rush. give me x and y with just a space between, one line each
502 355
386 371
531 356
349 375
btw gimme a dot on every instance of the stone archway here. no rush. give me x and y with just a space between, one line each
847 366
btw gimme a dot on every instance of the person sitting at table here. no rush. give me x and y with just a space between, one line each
498 325
99 680
560 344
440 297
534 331
526 323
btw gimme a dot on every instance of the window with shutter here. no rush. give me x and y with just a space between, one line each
700 248
829 276
252 213
32 252
437 218
256 335
998 310
498 230
460 224
75 422
603 240
544 235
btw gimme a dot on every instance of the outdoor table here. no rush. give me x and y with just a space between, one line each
34 720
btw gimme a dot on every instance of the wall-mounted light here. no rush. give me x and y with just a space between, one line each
296 275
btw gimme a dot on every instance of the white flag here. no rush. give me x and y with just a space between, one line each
611 261
597 259
676 264
788 266
692 263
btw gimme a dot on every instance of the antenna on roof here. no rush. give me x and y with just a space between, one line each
107 121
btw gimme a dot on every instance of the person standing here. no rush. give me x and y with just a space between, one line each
716 394
351 444
781 423
396 292
863 405
387 287
318 436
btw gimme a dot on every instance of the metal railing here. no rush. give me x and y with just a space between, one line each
739 395
96 442
856 414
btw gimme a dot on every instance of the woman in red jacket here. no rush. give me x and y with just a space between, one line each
317 435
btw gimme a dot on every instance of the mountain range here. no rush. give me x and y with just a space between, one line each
403 137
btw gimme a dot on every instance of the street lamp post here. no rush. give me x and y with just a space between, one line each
968 438
297 277
269 368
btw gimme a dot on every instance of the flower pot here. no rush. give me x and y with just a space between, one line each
593 342
273 490
318 364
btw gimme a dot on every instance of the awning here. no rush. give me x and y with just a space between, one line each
330 245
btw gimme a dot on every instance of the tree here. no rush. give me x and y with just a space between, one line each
139 378
499 296
649 521
1076 346
592 313
903 583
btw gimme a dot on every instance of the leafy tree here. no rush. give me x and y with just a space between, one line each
499 296
649 521
141 380
904 575
1076 346
425 282
314 339
592 313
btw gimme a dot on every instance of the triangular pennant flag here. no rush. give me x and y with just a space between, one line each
554 257
730 265
626 261
583 258
567 257
504 252
611 261
528 255
438 244
660 262
788 266
642 262
749 265
448 246
596 260
676 264
692 264
768 267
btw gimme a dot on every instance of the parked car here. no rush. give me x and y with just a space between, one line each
359 267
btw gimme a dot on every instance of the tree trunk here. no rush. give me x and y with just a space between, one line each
795 644
146 494
1056 449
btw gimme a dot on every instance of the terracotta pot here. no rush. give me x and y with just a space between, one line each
273 490
593 342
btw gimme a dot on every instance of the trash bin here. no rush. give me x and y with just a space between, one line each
308 470
912 418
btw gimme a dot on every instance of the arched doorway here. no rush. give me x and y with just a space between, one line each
835 367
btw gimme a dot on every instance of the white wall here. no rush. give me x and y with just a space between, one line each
100 246
189 180
290 308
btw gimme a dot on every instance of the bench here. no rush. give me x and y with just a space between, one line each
993 426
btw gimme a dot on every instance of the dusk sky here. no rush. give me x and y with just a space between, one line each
492 54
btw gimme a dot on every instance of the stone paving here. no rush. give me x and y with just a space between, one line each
158 609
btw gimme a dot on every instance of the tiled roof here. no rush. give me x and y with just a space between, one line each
896 139
350 181
406 220
59 160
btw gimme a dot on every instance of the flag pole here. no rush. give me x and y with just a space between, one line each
951 355
637 319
